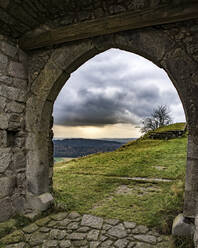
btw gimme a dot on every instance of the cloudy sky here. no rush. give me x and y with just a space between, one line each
111 94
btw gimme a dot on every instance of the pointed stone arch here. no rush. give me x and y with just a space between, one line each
156 44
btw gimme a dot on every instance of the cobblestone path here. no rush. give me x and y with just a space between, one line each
64 230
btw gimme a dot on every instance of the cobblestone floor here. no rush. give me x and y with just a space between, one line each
64 230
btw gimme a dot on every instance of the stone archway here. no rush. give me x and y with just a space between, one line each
161 45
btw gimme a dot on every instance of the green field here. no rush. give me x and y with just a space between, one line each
98 183
104 185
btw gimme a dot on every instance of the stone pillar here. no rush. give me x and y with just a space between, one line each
13 86
191 185
51 154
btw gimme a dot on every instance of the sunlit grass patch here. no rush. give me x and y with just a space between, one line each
137 159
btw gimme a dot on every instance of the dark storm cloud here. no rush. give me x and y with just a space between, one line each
114 87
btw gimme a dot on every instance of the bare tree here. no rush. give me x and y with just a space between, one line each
160 117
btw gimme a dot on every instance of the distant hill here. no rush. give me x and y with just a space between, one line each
79 147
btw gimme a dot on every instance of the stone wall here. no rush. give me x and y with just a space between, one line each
13 86
172 47
19 17
26 105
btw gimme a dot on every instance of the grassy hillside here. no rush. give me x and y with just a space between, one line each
100 184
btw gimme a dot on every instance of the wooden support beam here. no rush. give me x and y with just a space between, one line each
112 24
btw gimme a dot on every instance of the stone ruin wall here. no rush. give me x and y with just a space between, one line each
179 56
17 86
13 88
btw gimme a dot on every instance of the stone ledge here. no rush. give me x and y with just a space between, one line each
183 226
41 202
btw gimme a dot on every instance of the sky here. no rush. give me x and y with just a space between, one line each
110 95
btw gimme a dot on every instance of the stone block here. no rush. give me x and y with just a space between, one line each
92 221
5 158
19 160
7 186
76 55
14 122
3 138
18 203
6 209
3 121
21 182
2 103
22 56
17 70
12 93
3 62
41 202
8 49
14 107
6 79
20 83
20 142
182 226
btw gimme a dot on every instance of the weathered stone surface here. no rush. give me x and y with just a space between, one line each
121 243
83 229
3 138
43 221
19 245
106 244
58 234
182 227
92 221
12 93
64 222
65 244
112 222
6 79
2 104
3 62
130 225
7 186
20 83
74 215
59 216
140 229
77 236
19 160
42 233
8 49
6 209
73 226
93 235
80 243
94 244
173 47
146 238
3 121
41 202
37 238
50 244
131 245
14 107
31 228
15 237
5 158
17 70
117 232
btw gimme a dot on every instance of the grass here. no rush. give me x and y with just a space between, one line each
141 158
90 184
172 127
93 184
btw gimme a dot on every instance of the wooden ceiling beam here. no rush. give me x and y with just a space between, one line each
112 24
